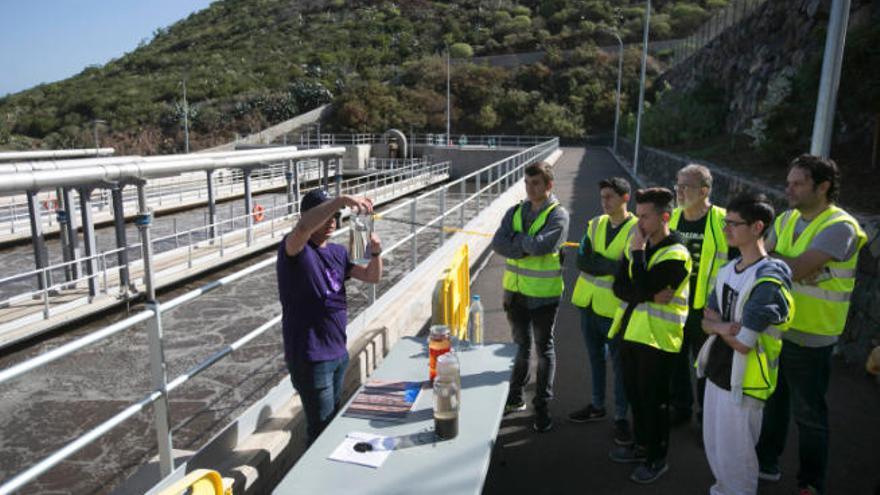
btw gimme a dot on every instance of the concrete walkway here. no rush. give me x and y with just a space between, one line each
573 458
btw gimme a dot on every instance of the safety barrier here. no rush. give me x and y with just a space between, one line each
489 182
452 295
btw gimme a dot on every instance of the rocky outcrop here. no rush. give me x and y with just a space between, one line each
754 60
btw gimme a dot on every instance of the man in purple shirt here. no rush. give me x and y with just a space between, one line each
311 285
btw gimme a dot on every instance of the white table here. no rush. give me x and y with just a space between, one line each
421 463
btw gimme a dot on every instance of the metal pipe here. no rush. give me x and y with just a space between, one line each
143 221
37 240
72 238
14 156
121 240
212 205
50 179
159 374
826 101
92 161
248 206
88 227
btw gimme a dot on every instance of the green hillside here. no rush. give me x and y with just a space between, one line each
252 63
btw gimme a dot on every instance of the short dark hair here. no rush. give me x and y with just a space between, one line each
753 207
544 169
617 184
660 197
820 170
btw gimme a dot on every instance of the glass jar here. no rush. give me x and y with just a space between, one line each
439 343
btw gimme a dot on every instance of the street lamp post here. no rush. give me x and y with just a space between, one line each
448 106
823 123
642 87
95 130
619 81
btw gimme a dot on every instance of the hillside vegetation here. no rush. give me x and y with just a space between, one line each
252 63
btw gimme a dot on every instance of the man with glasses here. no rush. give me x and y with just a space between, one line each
311 276
820 242
744 313
698 222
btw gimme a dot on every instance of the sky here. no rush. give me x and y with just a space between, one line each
44 41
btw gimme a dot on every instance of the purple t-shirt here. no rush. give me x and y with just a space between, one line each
311 286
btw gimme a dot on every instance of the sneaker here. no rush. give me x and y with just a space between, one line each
543 422
622 434
770 474
514 406
649 472
587 414
627 454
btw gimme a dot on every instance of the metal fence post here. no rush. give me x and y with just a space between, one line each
414 243
463 203
479 191
442 215
161 416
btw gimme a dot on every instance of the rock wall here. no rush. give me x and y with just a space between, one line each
862 332
754 60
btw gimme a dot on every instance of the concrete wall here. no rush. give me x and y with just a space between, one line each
464 159
357 156
863 324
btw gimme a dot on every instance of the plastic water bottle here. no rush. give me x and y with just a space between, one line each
475 322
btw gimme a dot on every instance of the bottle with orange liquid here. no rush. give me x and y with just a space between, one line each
439 343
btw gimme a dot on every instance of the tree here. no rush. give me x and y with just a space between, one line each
461 50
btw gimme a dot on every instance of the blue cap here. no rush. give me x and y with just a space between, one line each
313 198
475 297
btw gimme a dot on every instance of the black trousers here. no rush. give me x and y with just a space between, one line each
683 374
646 376
526 324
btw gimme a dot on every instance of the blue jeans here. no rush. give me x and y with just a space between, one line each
595 330
319 385
804 373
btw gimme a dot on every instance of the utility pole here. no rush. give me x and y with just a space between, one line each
642 88
832 61
185 119
448 107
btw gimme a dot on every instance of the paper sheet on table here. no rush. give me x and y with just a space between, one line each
381 449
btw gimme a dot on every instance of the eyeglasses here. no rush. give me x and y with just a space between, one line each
683 187
733 223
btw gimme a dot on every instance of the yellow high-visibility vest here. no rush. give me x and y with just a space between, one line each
821 308
762 361
534 276
713 255
658 325
595 291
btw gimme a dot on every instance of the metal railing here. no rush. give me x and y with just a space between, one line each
197 239
500 140
733 13
498 177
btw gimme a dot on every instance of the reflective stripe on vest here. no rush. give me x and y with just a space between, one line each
713 254
596 291
534 276
658 325
823 305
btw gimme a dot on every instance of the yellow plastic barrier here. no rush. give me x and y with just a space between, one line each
452 296
199 482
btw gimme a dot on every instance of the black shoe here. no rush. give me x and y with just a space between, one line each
514 406
543 422
770 473
587 414
622 433
649 472
627 454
